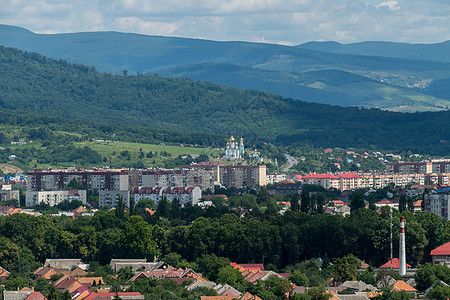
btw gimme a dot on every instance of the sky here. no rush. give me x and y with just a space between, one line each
269 21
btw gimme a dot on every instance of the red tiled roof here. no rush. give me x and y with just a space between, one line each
441 250
320 176
35 296
348 175
299 177
395 264
384 202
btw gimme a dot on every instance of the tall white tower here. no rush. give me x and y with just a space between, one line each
402 249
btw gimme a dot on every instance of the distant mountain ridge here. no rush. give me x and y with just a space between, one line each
430 52
392 83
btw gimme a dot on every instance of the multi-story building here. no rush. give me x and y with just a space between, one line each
349 181
112 197
6 193
327 180
185 195
239 175
92 179
53 198
438 202
275 178
204 177
423 167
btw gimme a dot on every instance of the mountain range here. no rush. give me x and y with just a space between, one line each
392 76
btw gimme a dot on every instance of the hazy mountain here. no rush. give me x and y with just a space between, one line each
431 52
384 82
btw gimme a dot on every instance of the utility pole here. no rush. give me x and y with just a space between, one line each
392 251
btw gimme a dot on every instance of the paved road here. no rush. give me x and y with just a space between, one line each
292 161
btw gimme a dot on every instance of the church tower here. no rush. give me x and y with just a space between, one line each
241 148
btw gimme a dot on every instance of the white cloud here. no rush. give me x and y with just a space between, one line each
393 5
277 21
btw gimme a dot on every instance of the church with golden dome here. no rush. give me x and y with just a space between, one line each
234 150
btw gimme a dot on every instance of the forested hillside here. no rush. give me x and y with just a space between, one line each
34 83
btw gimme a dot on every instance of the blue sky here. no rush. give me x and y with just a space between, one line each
271 21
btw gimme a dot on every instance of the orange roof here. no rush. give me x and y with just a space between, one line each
90 280
442 250
3 272
418 203
74 286
248 296
400 285
150 211
372 295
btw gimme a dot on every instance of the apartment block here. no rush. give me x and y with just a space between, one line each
438 202
239 175
185 195
91 179
53 198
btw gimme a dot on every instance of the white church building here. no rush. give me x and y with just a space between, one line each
234 150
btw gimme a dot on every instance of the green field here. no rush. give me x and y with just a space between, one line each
108 148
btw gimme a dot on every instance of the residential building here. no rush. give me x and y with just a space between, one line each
91 179
438 202
275 178
202 176
185 195
53 198
327 180
423 167
112 197
285 188
6 193
239 175
441 255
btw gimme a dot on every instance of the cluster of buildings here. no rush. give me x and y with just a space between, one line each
51 186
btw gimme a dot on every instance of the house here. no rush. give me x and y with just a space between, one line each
65 263
140 264
358 286
200 283
111 296
248 267
90 281
23 295
441 255
227 290
248 296
400 285
3 274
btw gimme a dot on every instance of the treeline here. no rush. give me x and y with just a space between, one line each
191 232
180 107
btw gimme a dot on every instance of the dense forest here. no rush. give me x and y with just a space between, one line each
177 109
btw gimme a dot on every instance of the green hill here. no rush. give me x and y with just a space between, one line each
400 84
197 110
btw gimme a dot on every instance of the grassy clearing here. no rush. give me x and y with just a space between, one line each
108 148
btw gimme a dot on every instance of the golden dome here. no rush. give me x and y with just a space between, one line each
232 139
